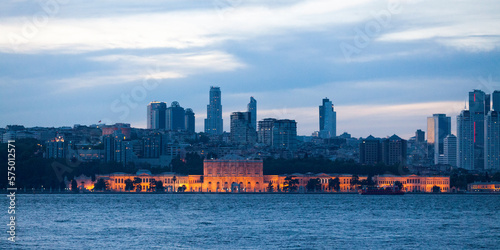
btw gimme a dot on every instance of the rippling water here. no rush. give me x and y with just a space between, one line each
255 221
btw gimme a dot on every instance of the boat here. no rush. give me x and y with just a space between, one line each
381 191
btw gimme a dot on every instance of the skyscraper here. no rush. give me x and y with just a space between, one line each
265 134
284 134
450 150
439 125
214 122
189 121
327 120
252 108
156 115
492 141
175 117
479 106
496 100
242 131
465 141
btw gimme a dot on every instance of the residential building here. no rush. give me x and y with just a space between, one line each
156 115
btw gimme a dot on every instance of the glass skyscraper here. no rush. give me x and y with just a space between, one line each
327 120
214 122
252 108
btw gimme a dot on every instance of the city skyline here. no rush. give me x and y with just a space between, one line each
415 61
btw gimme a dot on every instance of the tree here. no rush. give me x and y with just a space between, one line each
290 184
313 185
129 185
101 185
436 189
334 184
270 187
137 184
181 188
74 186
159 187
354 181
152 184
398 184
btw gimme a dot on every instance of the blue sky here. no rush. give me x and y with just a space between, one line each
386 65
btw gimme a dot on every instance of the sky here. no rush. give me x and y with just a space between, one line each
386 65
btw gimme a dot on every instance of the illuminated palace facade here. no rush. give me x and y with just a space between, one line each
241 175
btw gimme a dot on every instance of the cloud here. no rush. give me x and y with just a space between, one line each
179 29
133 68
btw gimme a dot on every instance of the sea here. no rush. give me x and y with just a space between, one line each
254 221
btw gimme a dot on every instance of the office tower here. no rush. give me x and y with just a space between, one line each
492 141
496 100
450 150
439 126
465 141
327 120
479 106
420 136
370 151
265 133
284 134
242 131
394 151
156 115
252 108
214 122
175 117
189 120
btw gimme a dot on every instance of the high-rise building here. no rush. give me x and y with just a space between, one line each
465 141
284 134
450 150
479 106
214 122
265 133
439 125
420 136
496 100
370 151
189 121
56 148
175 117
156 115
252 108
327 120
109 148
152 146
242 131
394 151
492 141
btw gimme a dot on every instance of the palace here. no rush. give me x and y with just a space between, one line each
235 174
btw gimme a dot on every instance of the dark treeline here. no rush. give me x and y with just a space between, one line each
322 165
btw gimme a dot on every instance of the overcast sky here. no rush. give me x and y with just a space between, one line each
386 65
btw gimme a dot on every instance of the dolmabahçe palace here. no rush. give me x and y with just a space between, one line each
235 174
